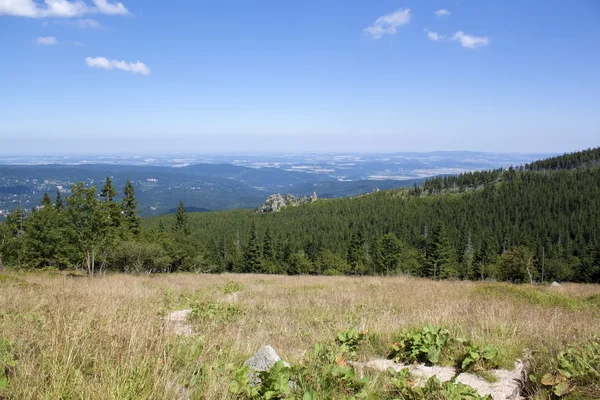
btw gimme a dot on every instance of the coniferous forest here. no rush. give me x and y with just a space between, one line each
537 222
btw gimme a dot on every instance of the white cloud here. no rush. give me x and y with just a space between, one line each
102 62
389 23
469 41
442 12
59 8
85 23
434 35
111 8
46 40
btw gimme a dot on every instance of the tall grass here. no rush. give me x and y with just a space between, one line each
106 337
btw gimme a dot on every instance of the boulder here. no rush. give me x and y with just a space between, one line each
555 284
178 323
263 360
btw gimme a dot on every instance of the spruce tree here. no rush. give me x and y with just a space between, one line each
252 252
129 209
108 194
181 222
58 203
46 202
268 250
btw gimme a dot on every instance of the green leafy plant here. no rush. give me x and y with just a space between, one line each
231 287
350 340
479 358
578 366
215 312
7 364
425 345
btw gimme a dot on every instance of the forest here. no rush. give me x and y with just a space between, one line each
538 222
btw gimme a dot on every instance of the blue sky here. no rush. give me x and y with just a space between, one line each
97 76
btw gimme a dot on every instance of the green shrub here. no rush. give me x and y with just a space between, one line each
425 345
215 312
573 372
231 287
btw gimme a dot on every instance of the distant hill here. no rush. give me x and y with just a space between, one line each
455 226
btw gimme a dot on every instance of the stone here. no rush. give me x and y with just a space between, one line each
263 360
555 284
508 384
276 202
507 387
178 323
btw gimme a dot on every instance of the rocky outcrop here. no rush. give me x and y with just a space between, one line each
276 202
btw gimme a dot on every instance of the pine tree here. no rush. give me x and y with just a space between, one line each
268 249
356 253
467 259
181 221
58 203
252 252
46 202
108 194
129 209
108 191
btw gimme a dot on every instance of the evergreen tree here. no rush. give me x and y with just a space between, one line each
252 252
108 194
468 257
356 253
46 202
181 221
268 248
129 210
58 203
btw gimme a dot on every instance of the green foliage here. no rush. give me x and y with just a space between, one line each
181 221
533 295
215 312
574 372
7 365
426 345
350 340
403 387
231 287
479 359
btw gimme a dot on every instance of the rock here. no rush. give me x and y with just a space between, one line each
276 202
420 372
178 323
263 360
507 387
555 284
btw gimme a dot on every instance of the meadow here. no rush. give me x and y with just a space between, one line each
67 337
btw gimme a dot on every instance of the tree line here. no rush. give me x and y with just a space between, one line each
515 224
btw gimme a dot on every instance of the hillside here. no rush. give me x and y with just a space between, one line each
159 189
552 219
517 224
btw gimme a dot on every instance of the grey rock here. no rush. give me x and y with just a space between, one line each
263 360
555 284
276 202
507 387
508 384
178 323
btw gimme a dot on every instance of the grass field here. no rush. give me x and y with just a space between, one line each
63 337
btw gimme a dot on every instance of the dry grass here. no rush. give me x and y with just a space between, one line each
106 338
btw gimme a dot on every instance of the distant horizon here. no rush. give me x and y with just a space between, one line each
275 153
